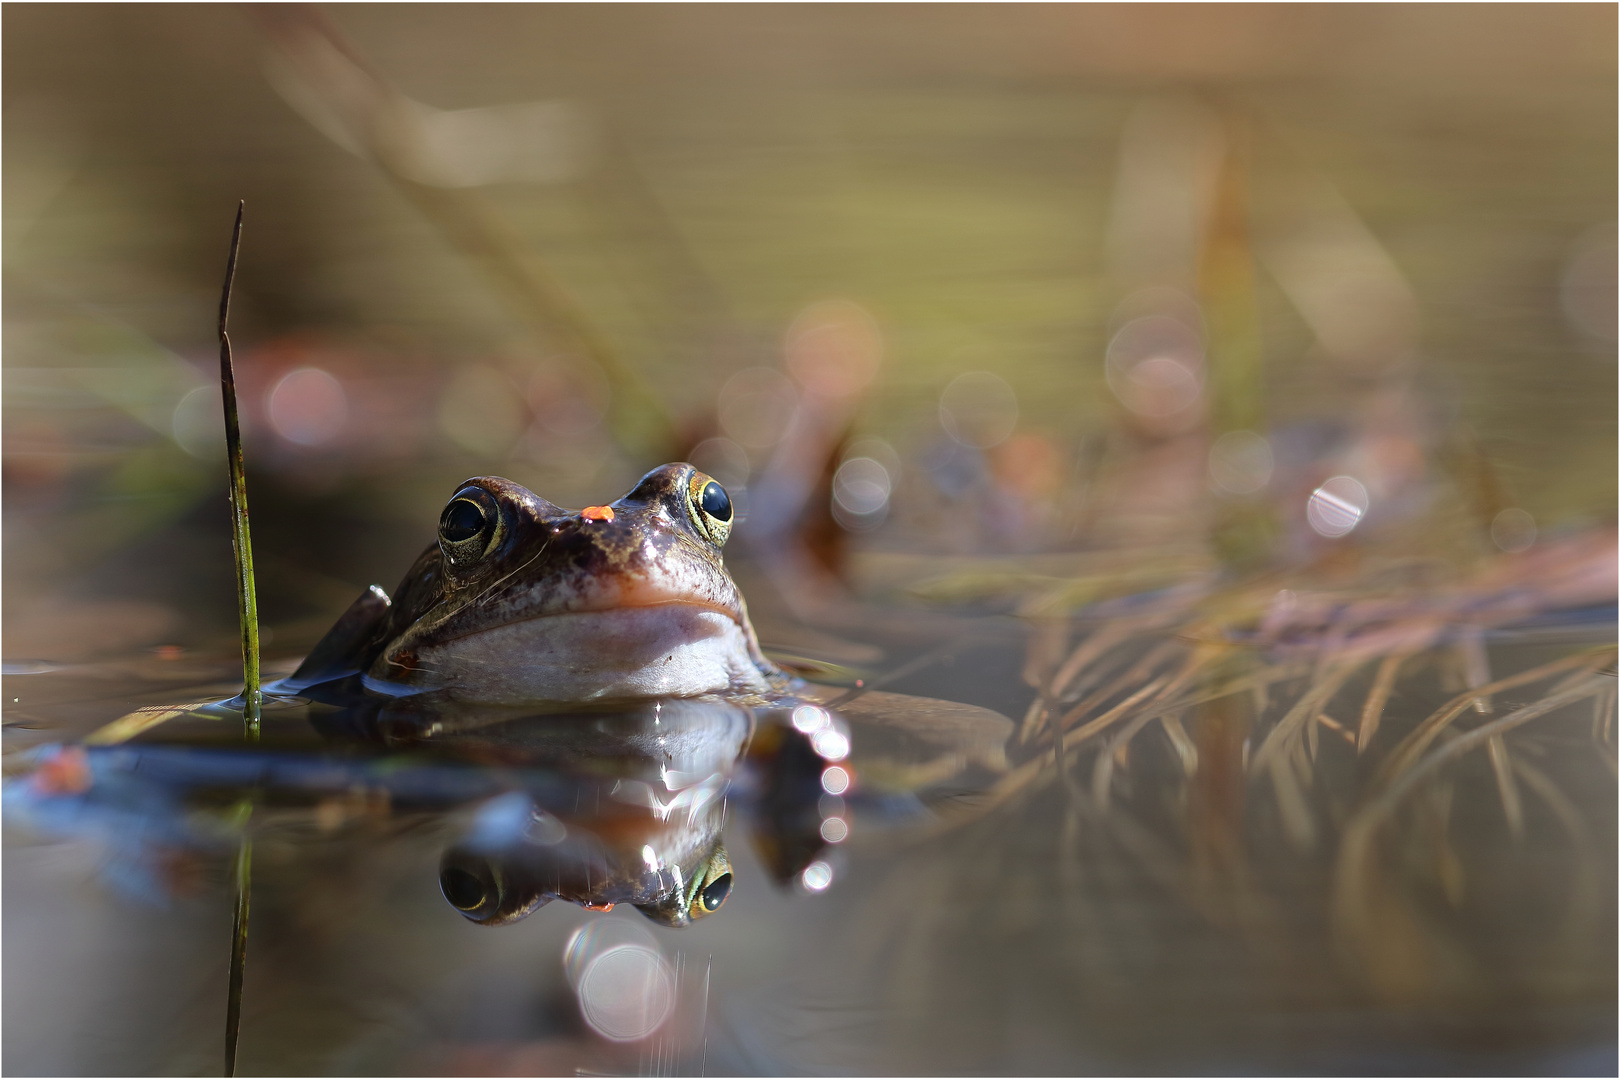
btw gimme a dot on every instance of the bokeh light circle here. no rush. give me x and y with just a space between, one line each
834 348
830 743
1337 506
725 460
1513 530
307 406
809 718
1240 462
621 980
1156 366
816 877
860 492
978 409
835 780
755 406
626 993
198 424
1587 288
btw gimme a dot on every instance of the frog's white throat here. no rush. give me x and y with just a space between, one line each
667 650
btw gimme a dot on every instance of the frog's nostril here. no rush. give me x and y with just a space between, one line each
464 891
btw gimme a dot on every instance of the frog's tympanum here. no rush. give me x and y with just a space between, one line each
523 601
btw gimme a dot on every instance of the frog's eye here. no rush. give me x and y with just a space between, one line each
714 893
472 890
714 885
479 889
469 526
710 507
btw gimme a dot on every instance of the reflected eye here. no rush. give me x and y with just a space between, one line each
472 887
716 892
710 507
470 526
464 891
712 885
482 890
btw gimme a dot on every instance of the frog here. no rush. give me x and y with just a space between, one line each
597 666
519 601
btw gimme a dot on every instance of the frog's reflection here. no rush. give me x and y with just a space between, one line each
493 889
616 807
621 804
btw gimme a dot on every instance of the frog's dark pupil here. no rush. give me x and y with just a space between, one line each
717 891
715 502
462 519
461 888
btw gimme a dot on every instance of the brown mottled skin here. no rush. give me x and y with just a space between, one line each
650 565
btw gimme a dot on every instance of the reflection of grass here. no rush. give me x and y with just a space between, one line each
1368 910
1281 750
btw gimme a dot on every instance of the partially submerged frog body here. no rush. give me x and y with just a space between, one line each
592 675
522 601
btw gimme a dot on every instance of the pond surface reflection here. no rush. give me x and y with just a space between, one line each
1188 850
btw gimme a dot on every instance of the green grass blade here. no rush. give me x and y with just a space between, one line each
248 610
246 597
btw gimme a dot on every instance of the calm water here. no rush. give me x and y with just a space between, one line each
976 920
1214 407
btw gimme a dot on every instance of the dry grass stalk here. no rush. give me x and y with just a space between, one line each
1476 665
1356 899
1306 708
1407 752
1502 766
1184 747
1373 711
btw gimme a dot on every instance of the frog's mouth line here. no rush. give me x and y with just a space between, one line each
606 609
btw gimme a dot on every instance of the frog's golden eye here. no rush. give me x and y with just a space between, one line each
470 526
710 507
714 894
713 886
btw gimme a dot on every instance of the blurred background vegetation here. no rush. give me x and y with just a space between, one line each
565 243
